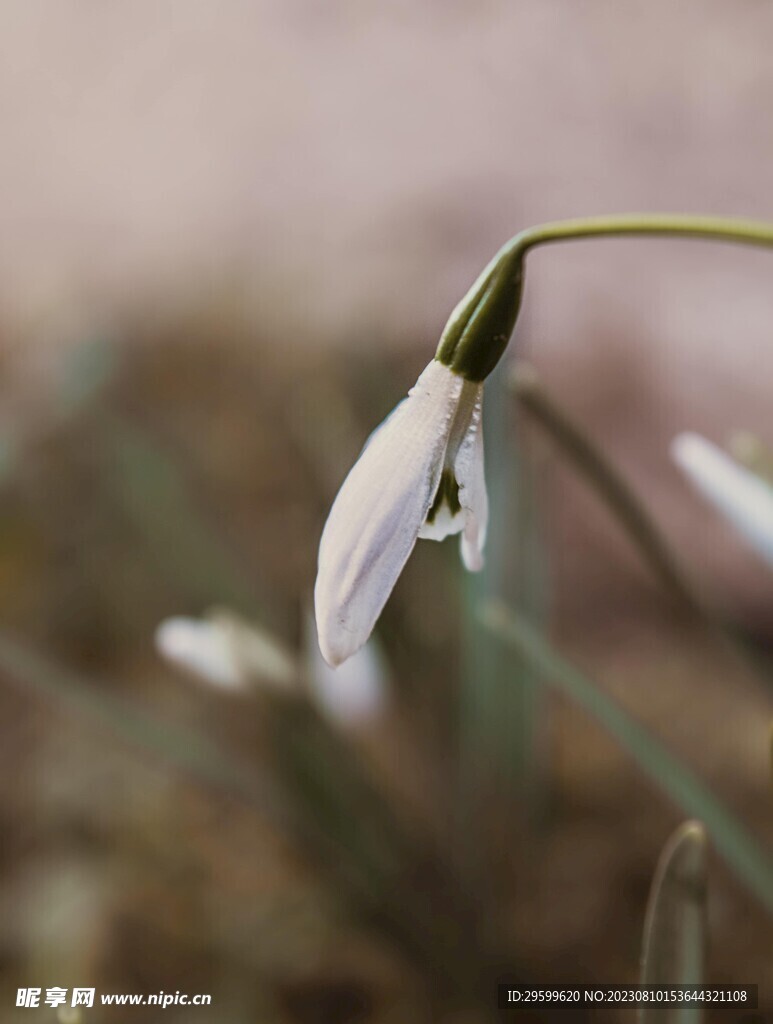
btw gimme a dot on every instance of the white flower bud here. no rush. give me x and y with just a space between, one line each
420 475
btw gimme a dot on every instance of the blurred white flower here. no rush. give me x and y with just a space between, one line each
224 650
420 475
354 693
743 498
199 647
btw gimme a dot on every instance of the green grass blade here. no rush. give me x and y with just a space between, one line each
600 473
752 864
500 710
185 749
674 948
154 494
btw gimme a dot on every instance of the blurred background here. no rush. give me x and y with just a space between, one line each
232 233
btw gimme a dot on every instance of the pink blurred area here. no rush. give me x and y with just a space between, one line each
368 159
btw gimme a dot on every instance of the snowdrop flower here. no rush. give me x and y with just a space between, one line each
225 651
420 474
743 498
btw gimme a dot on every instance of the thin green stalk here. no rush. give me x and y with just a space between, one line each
752 864
614 490
186 749
731 230
738 230
632 513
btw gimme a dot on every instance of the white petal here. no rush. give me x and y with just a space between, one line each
355 692
742 497
473 496
374 521
200 647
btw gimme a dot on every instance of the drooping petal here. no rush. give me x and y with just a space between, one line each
743 498
375 520
473 496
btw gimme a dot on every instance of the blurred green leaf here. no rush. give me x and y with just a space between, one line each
154 493
600 473
751 863
91 366
185 749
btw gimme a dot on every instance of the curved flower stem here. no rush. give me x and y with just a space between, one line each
717 229
479 328
732 230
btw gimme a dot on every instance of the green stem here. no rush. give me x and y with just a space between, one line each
479 329
731 230
717 229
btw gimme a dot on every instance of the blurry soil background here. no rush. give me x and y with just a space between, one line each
232 233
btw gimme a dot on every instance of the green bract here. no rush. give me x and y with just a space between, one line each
479 329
